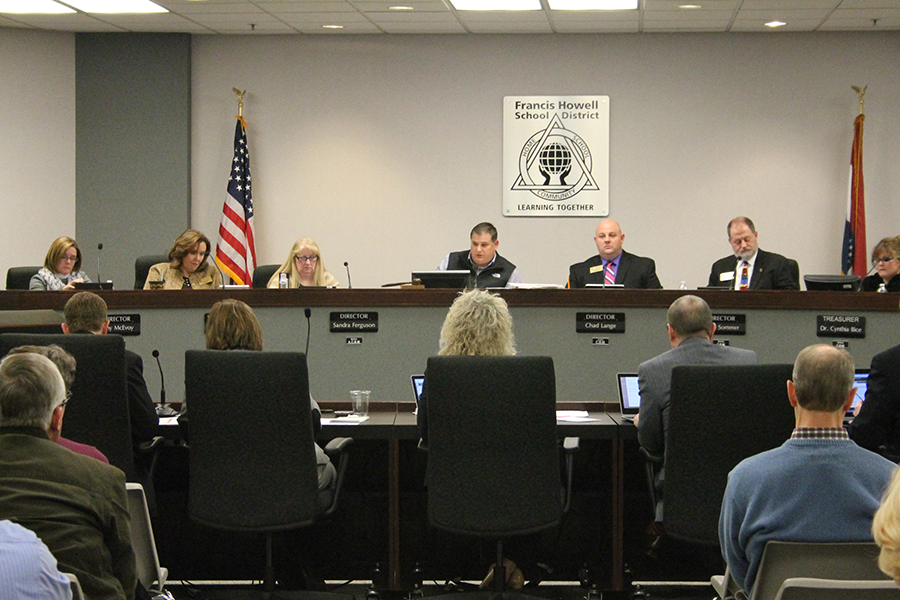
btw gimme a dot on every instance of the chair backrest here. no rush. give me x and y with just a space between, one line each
252 461
809 588
142 266
719 415
262 274
149 573
17 278
845 560
98 411
493 455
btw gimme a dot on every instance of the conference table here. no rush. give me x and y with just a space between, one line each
376 338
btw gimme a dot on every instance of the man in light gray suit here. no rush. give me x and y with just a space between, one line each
691 329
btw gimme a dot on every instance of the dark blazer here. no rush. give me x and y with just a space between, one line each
142 412
770 272
633 272
878 421
871 283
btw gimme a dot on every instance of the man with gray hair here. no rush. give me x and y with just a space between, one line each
75 504
818 486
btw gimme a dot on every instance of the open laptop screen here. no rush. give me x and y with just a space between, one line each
629 396
860 381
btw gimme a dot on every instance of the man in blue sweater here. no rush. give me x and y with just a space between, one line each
819 486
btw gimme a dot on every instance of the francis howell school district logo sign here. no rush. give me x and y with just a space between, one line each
553 170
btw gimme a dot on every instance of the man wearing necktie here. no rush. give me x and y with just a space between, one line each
750 268
612 265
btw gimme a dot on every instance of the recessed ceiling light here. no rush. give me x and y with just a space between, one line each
774 24
690 6
496 4
593 4
117 6
332 26
47 7
400 8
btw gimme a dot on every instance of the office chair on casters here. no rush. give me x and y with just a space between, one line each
142 266
18 278
262 274
252 461
493 453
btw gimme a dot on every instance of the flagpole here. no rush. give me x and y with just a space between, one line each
240 99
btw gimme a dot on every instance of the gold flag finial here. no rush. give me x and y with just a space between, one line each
240 97
859 92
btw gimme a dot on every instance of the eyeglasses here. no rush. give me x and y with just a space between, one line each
883 259
306 258
69 258
66 401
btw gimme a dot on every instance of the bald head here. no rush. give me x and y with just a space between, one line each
609 239
690 316
823 378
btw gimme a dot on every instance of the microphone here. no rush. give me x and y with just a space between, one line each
349 284
162 410
307 312
99 248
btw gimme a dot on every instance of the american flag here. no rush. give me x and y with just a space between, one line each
853 254
235 250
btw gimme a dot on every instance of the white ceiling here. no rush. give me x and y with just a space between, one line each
436 16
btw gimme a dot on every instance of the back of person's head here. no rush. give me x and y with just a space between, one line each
886 529
690 316
483 228
232 326
30 389
478 324
85 313
58 250
64 361
823 376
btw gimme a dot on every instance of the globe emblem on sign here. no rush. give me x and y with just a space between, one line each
555 160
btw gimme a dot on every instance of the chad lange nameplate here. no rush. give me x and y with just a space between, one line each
353 321
599 322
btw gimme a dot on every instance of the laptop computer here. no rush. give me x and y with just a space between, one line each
417 382
860 381
629 395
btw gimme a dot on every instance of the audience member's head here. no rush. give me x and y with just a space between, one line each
886 529
86 313
31 389
690 316
822 378
64 361
478 324
232 326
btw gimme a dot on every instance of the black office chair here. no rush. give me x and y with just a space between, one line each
98 412
252 461
262 274
719 415
18 278
142 266
493 455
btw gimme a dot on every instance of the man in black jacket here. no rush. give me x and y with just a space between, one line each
613 265
750 268
487 269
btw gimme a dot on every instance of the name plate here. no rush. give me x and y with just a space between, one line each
599 322
840 326
125 324
727 324
353 321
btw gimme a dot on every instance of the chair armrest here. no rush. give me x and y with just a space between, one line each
335 446
651 458
814 583
150 446
335 449
570 447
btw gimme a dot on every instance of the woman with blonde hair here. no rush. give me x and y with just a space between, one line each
188 267
478 324
304 267
62 267
886 261
886 529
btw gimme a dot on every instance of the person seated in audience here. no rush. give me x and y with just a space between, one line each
66 364
819 486
690 328
304 267
612 264
486 268
76 505
62 267
886 529
886 260
232 325
189 266
876 425
86 312
750 268
27 569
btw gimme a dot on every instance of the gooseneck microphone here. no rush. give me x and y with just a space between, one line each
308 313
99 248
163 410
349 283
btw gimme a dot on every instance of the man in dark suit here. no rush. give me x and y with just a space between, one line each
613 265
752 268
86 312
876 426
691 329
